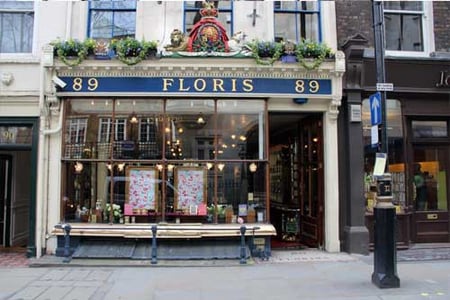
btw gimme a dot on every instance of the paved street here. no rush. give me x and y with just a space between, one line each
310 274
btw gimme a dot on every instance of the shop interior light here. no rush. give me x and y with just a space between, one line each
78 167
253 167
134 119
200 119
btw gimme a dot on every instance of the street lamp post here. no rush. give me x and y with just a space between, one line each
385 254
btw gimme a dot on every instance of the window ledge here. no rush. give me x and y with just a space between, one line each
19 58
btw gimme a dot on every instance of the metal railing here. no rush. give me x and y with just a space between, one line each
66 227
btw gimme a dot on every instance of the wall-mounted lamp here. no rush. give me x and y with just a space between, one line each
220 167
300 100
253 167
120 167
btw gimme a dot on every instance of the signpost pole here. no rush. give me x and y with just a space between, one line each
385 250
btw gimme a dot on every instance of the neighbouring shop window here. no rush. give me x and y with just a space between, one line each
192 14
16 135
429 129
297 20
187 160
112 19
404 25
16 23
430 164
396 159
430 178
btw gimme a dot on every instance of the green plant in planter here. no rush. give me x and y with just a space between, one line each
317 52
72 52
265 53
131 51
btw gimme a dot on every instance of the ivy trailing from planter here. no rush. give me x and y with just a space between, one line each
265 53
72 52
131 51
309 50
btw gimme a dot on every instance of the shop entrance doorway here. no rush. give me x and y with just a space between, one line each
296 179
429 172
14 198
430 189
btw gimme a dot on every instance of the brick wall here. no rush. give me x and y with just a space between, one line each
441 25
356 17
352 17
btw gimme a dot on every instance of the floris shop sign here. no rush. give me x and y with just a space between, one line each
196 85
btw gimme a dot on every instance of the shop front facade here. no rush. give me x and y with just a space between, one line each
197 145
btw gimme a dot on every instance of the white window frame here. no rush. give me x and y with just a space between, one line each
7 55
77 129
105 124
297 12
427 34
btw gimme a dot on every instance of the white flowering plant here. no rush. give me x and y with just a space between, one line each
116 212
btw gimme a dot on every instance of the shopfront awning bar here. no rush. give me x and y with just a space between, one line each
166 230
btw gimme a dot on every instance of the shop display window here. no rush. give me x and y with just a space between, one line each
144 161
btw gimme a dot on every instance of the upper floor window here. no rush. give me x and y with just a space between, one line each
16 26
192 14
297 20
404 25
110 19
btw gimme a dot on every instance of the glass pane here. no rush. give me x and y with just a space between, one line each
113 4
16 32
295 27
95 190
403 32
429 129
108 24
240 135
101 24
137 131
296 5
124 24
403 5
430 178
17 5
16 135
188 122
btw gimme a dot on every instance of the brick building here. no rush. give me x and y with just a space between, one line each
417 61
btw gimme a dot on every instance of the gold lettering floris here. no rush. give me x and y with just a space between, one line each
208 84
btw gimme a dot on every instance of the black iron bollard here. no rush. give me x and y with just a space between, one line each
154 253
67 257
243 250
385 248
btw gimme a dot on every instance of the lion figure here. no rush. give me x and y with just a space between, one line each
178 41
